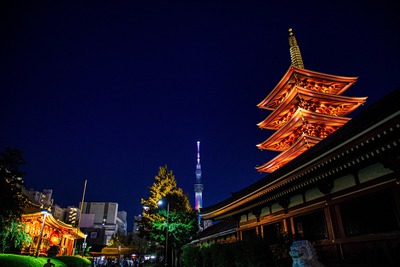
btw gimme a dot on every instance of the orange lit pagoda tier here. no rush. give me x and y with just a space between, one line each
307 106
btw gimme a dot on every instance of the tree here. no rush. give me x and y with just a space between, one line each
179 220
11 184
137 244
14 237
11 198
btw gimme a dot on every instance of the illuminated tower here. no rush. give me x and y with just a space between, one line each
198 186
306 106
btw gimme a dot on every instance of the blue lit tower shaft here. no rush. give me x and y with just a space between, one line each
198 186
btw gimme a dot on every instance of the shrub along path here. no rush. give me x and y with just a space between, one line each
11 260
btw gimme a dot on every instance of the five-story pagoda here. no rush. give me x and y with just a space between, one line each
307 106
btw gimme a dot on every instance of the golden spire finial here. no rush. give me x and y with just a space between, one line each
295 54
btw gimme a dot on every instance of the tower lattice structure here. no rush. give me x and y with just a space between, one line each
306 106
198 186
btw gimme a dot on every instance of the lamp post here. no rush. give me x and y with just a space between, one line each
45 213
84 246
160 202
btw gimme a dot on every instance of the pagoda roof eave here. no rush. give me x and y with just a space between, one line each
295 122
302 144
290 100
309 73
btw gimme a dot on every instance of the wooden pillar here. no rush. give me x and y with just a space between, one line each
257 214
329 222
292 226
337 229
338 222
236 218
285 226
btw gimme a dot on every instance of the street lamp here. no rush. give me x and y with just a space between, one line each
45 213
160 202
84 246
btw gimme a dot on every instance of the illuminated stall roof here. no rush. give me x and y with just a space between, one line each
55 223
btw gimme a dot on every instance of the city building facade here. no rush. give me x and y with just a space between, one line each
102 221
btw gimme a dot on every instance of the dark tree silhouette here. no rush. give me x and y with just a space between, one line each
11 184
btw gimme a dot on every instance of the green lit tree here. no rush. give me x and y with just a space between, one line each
14 237
175 216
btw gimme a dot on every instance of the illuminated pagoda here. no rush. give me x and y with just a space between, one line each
340 193
306 106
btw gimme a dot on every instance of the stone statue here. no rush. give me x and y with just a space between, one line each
303 254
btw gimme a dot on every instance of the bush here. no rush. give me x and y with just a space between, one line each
190 256
224 255
254 253
206 255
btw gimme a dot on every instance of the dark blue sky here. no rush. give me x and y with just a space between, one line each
108 91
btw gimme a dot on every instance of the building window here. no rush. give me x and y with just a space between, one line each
369 215
311 226
272 232
249 234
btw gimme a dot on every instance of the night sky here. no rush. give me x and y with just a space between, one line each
109 91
